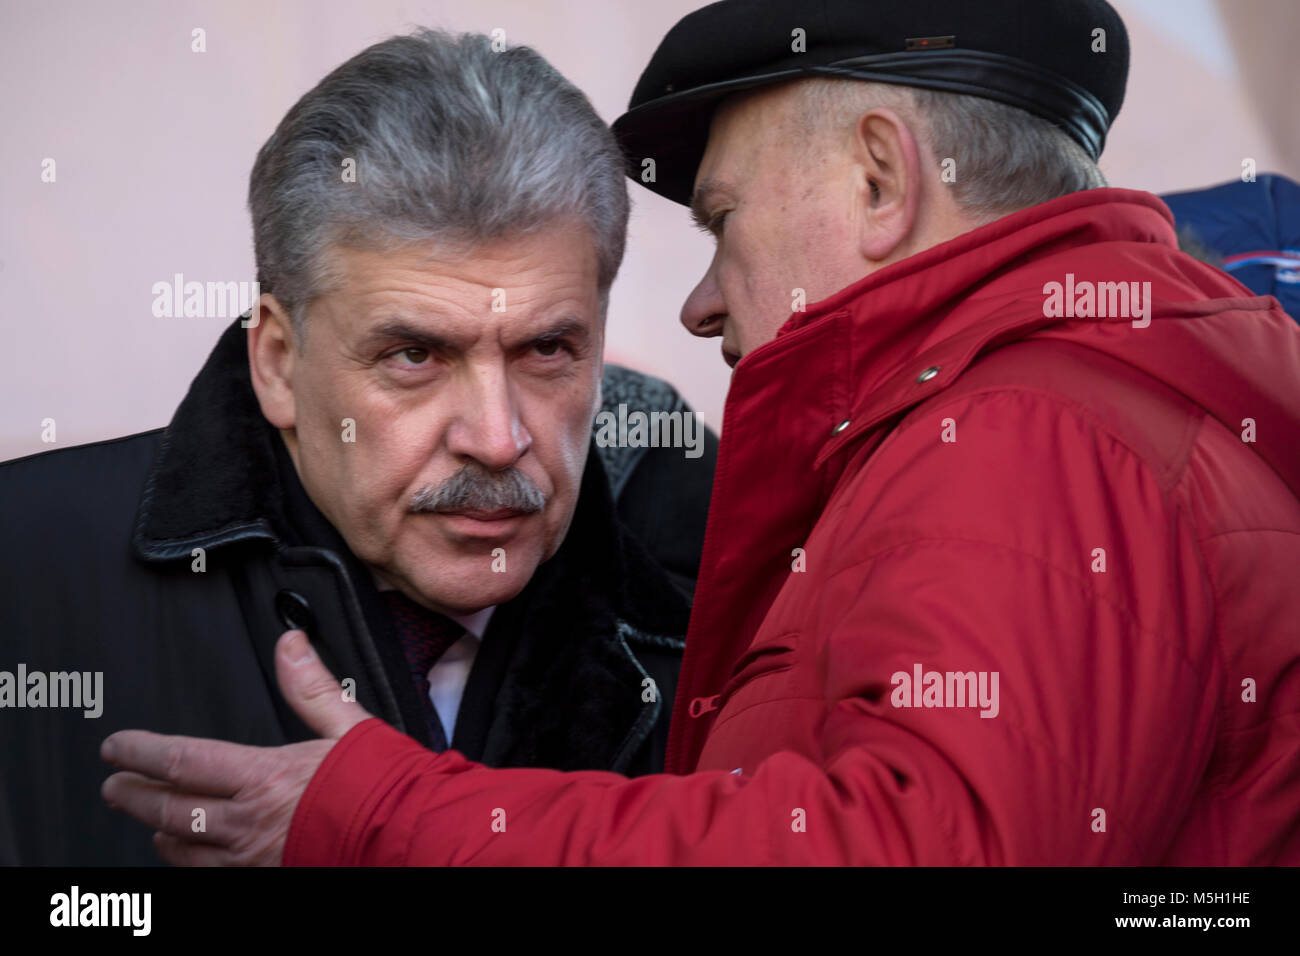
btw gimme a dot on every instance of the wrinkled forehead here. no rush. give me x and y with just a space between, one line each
457 296
555 258
568 242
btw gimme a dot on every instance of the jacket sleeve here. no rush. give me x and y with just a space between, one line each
1086 750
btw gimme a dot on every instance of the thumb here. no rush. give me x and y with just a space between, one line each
311 689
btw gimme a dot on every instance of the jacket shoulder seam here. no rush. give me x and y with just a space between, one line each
1084 583
1168 474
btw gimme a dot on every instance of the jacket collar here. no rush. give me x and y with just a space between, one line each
919 323
214 480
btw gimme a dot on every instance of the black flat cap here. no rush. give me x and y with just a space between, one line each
1043 56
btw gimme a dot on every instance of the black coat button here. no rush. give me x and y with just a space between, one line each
294 611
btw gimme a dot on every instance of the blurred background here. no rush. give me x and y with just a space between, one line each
154 142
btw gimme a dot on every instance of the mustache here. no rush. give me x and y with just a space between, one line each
475 488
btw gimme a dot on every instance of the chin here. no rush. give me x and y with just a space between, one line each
474 596
464 583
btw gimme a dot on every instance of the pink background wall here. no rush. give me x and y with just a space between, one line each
153 145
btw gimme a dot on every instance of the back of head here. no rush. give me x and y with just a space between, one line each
995 158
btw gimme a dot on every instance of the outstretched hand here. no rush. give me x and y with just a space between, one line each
215 803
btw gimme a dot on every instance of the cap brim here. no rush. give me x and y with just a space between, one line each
673 131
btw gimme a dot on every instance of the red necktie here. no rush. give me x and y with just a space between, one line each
425 635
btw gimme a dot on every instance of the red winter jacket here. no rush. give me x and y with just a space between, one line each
1045 609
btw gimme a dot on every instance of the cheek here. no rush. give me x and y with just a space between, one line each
758 291
570 438
575 455
361 461
576 439
320 443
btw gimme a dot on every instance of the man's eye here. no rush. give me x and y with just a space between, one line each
717 221
548 347
414 356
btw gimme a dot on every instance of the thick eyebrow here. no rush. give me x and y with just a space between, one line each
565 326
394 329
568 325
703 192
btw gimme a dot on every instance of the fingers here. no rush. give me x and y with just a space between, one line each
189 816
214 802
192 764
312 690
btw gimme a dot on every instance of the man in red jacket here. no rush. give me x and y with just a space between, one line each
999 566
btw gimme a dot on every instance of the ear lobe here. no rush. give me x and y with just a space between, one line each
271 354
890 159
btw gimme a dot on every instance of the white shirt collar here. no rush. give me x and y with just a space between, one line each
476 623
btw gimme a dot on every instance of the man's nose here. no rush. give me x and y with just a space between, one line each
487 426
704 312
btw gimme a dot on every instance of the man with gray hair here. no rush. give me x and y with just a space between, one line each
1000 564
392 451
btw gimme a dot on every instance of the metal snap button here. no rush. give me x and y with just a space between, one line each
295 613
928 374
840 427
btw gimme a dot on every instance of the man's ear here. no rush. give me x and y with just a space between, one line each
271 354
889 162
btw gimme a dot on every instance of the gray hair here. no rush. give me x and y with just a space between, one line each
1005 159
451 141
